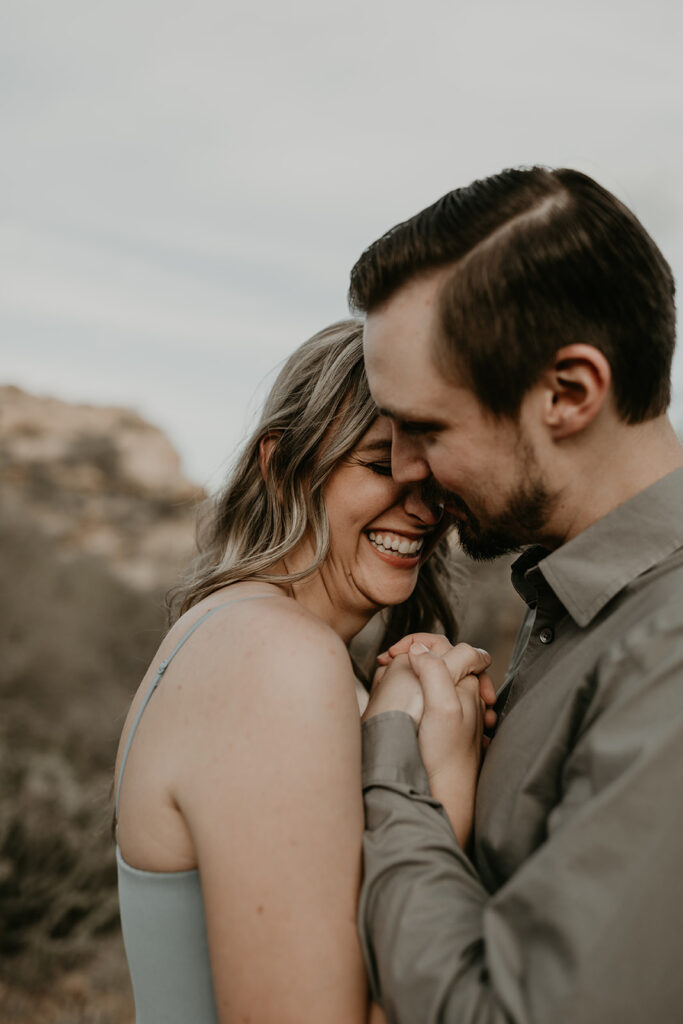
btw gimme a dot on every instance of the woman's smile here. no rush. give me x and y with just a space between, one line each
396 548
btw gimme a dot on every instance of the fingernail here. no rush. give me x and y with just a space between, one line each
482 651
418 648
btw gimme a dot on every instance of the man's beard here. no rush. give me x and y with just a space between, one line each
521 522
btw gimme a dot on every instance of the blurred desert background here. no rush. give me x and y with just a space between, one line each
96 521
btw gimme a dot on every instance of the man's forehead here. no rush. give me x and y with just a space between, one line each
413 389
420 293
402 372
405 397
387 339
407 324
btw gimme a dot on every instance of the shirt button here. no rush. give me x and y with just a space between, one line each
546 636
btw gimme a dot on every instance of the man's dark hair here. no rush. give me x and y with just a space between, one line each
541 259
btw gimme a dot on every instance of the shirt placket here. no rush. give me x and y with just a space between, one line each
537 636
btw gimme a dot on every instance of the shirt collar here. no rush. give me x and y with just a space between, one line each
589 570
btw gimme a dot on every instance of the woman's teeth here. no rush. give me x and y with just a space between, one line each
397 545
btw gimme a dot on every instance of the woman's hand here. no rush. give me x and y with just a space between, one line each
457 702
450 737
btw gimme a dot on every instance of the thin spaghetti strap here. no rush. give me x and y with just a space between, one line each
157 679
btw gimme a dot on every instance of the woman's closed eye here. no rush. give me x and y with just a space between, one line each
381 468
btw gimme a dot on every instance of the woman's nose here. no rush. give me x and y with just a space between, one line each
420 504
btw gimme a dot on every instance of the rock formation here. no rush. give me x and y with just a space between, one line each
98 480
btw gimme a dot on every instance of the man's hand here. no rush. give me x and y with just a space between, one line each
395 688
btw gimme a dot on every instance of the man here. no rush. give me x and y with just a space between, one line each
519 335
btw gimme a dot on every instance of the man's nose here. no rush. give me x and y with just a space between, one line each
407 463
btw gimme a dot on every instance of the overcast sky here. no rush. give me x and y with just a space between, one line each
184 187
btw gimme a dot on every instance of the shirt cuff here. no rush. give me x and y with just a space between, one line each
391 755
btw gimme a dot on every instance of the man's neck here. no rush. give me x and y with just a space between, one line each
630 460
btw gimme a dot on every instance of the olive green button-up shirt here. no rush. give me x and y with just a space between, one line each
569 909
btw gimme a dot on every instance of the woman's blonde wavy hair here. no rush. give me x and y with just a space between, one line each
317 411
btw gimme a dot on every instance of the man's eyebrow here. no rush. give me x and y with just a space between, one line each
389 413
410 419
379 445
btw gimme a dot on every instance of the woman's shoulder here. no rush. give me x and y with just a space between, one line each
248 613
259 638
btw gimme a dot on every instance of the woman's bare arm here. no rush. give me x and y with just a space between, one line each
275 811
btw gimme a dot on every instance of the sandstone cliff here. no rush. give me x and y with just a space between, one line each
100 481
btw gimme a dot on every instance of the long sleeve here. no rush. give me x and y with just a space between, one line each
587 929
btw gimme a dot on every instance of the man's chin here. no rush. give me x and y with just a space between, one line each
485 547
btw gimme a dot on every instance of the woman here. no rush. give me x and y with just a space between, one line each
239 802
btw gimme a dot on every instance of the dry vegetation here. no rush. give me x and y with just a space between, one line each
75 641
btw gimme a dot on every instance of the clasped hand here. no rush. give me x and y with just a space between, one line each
449 695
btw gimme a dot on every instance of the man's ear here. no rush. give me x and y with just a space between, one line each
265 450
576 387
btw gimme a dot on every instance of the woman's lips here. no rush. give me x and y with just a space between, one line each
406 559
387 540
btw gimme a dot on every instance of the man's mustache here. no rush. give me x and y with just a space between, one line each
436 496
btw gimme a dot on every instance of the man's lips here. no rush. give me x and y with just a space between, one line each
455 506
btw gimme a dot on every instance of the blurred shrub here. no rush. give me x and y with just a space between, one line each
75 641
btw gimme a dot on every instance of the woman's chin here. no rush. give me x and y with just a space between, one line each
393 593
